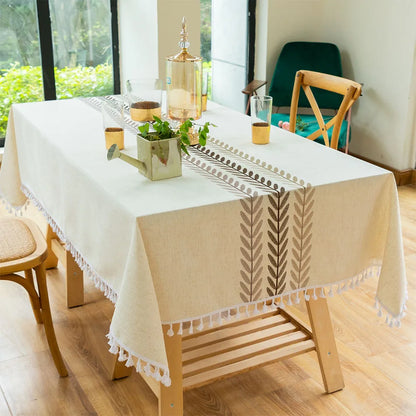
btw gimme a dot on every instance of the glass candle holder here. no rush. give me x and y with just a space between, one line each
113 121
261 116
144 97
206 78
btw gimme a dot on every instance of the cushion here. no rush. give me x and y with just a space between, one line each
312 125
313 56
16 240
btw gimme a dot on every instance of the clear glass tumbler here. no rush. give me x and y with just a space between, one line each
261 116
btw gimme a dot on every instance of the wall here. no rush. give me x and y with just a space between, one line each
138 40
261 43
149 31
377 40
170 13
229 52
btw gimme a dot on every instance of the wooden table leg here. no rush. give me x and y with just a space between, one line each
74 275
52 260
74 282
171 398
326 349
119 369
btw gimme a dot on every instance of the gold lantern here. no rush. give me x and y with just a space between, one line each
184 82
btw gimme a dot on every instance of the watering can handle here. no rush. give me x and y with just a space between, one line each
114 152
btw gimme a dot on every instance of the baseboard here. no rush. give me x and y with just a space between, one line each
403 177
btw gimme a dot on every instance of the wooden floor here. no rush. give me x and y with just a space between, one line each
378 362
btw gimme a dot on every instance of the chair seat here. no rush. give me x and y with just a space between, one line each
311 126
16 240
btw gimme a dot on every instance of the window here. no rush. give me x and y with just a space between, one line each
56 49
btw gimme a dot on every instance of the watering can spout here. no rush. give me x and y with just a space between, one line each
114 153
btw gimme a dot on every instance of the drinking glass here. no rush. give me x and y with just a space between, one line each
261 116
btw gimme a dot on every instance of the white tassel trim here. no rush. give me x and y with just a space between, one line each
391 319
16 210
279 301
99 282
149 367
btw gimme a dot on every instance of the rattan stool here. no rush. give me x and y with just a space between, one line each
23 248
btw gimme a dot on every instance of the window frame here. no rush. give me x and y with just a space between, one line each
46 48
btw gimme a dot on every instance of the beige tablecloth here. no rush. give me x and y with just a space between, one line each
244 224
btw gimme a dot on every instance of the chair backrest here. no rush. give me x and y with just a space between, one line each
313 56
347 90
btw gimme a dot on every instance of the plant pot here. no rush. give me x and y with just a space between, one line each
161 159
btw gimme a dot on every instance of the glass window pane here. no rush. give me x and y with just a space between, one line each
206 6
20 70
81 31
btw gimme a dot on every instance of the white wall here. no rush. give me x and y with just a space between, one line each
149 31
289 20
377 39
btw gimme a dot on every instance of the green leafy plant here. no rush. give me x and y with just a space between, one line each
164 130
21 84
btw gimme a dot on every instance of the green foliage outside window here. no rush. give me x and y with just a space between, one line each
24 84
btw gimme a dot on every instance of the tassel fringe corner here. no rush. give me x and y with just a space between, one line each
143 365
99 282
389 319
208 321
55 228
12 209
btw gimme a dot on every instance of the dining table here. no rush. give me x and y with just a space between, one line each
202 267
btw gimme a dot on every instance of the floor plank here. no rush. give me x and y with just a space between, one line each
378 362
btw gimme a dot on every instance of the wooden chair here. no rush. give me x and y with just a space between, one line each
306 80
23 248
313 56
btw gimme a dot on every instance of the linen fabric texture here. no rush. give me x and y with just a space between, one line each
243 224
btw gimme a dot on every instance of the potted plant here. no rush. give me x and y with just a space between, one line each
159 147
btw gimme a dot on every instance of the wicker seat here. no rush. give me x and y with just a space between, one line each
23 248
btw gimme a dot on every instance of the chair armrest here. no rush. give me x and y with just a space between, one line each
253 86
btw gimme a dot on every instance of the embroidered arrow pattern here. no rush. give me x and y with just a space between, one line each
302 230
277 233
251 248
